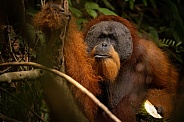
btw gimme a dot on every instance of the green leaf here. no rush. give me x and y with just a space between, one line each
131 4
153 33
69 2
91 5
92 13
76 12
179 43
161 44
106 11
80 22
90 8
145 2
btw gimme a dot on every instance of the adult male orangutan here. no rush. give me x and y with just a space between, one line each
118 66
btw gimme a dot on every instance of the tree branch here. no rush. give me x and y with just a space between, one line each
16 76
71 80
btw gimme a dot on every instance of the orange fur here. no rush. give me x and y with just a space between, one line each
164 78
50 16
78 66
108 68
165 75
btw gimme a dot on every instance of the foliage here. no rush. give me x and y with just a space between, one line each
20 100
160 19
92 9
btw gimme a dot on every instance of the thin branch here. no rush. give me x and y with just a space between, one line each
66 6
71 80
42 3
3 71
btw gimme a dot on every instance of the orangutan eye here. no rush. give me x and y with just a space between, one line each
111 37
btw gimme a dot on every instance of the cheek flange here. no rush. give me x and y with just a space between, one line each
122 35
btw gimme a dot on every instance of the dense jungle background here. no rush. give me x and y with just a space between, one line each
160 20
